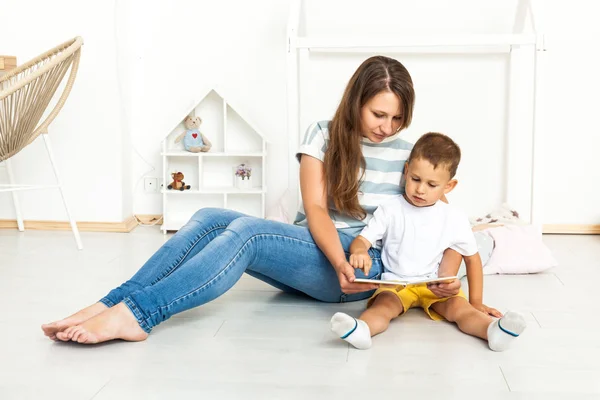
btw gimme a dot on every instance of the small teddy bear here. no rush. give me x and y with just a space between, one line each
178 183
193 140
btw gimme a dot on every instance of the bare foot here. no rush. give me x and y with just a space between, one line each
115 323
83 315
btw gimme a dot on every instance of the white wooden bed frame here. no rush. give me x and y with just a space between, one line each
523 129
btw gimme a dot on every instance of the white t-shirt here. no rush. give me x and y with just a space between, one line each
415 238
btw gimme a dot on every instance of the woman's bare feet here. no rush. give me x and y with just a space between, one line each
115 323
83 315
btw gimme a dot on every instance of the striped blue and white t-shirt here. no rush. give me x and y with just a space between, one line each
382 181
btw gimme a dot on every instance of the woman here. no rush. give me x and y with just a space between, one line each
347 168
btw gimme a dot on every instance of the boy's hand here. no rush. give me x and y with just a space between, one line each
488 310
345 274
442 290
362 261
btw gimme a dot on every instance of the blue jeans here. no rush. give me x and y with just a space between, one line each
207 256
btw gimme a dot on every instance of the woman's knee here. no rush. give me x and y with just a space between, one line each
246 227
213 214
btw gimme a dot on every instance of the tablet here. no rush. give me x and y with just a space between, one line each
406 282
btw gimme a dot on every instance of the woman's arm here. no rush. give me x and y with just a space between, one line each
314 199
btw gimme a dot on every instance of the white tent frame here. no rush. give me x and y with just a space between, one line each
524 129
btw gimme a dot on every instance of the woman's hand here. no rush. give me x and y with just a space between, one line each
445 289
362 261
345 273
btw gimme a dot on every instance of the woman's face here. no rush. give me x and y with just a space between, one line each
381 117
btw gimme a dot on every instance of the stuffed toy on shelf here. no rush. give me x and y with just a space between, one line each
178 183
193 140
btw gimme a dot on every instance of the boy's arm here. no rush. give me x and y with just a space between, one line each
360 245
359 254
475 279
374 231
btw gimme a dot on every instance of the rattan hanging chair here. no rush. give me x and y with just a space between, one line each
25 93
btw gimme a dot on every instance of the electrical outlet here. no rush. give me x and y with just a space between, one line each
151 184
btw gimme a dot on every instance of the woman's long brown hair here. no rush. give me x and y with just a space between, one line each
343 158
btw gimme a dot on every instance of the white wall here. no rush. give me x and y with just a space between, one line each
476 122
186 47
572 132
132 90
89 142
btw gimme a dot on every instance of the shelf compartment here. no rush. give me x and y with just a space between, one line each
182 208
245 203
189 168
216 190
183 153
218 172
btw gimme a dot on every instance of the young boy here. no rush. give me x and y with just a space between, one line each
416 229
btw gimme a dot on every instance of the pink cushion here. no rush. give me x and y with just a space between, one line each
518 250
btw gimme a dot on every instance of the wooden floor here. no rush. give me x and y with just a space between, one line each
258 343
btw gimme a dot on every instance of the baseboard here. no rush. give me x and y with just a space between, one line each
130 223
123 227
582 229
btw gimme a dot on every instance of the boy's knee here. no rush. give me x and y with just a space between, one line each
388 304
454 307
451 315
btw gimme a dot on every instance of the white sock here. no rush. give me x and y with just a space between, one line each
354 331
502 332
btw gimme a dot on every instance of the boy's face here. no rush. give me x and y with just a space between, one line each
426 185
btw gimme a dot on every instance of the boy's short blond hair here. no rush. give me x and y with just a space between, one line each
438 149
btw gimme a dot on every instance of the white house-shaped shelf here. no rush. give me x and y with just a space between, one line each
211 175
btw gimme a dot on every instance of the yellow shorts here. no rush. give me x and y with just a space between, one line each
416 296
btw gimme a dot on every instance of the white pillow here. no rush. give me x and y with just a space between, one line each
518 250
279 211
504 214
